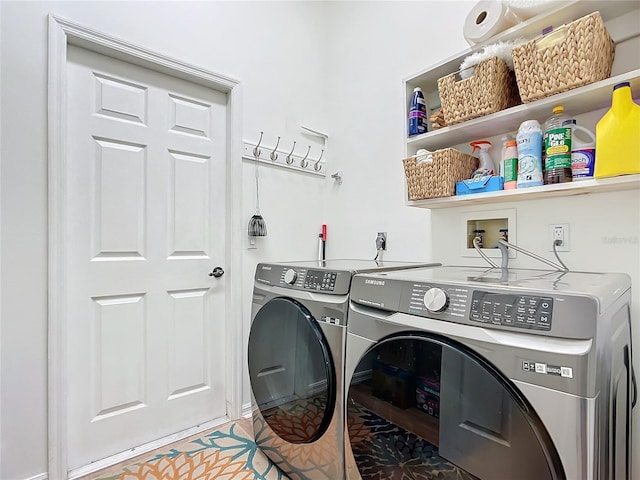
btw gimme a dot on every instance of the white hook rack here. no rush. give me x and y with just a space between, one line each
314 161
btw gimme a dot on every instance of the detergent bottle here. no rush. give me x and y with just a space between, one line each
486 166
618 136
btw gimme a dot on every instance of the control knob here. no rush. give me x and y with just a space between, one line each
290 276
436 300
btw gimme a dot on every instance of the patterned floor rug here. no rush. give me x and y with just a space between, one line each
385 451
228 453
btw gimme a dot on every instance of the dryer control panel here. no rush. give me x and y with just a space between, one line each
523 311
334 282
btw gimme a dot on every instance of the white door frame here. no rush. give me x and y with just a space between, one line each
62 33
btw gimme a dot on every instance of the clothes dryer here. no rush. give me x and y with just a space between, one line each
296 362
500 374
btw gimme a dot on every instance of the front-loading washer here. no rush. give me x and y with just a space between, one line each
296 362
499 374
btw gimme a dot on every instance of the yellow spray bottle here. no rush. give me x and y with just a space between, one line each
618 136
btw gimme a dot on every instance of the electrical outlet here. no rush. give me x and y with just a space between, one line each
559 232
381 241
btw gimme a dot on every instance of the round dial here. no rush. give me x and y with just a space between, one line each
436 300
290 276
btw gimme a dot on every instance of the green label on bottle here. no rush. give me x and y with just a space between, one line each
510 171
557 148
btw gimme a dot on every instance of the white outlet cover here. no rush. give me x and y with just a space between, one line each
566 247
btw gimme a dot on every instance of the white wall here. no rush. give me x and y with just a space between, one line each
274 48
375 45
334 66
372 47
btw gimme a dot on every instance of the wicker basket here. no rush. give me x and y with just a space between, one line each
491 88
572 56
438 178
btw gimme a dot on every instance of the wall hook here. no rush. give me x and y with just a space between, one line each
316 166
289 158
337 176
256 149
274 155
303 162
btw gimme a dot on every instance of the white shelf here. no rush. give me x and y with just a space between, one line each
580 100
615 184
566 12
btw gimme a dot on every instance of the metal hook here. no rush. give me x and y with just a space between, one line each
316 166
289 159
256 149
274 155
303 162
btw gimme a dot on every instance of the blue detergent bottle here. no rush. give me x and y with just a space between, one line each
417 113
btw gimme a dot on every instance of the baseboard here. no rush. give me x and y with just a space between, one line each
147 447
42 476
246 410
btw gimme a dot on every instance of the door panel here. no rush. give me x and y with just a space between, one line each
146 213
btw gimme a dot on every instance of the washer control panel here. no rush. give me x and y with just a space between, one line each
522 311
322 280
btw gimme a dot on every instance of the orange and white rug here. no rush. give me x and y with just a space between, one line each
228 453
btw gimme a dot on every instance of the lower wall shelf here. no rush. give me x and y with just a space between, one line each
614 184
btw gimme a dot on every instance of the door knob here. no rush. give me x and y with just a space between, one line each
217 272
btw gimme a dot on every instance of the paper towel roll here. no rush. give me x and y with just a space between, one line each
486 19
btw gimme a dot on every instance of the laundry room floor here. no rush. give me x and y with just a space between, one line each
228 452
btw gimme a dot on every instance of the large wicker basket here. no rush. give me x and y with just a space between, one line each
491 88
572 56
438 178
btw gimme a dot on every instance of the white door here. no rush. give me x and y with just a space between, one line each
146 206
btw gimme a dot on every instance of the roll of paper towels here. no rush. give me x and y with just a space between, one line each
486 19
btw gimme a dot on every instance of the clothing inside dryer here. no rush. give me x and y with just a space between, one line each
421 407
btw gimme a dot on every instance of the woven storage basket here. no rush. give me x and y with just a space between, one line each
491 88
438 178
572 56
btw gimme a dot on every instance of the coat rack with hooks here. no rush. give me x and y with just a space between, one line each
295 156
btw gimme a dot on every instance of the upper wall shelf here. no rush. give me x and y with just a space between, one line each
580 100
565 12
615 184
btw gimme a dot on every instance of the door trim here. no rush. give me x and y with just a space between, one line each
63 33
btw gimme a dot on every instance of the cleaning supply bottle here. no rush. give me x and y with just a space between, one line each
557 147
529 139
486 166
417 113
618 136
510 164
583 152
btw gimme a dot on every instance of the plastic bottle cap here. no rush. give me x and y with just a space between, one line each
417 89
558 109
620 85
512 143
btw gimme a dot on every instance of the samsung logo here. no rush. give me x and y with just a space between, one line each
266 268
374 282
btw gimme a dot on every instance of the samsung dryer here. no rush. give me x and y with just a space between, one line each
296 362
469 373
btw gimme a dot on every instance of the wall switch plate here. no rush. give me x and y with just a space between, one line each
559 232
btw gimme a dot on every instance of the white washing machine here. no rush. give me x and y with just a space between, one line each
469 373
296 362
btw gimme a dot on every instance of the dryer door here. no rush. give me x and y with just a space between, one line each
292 374
425 406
